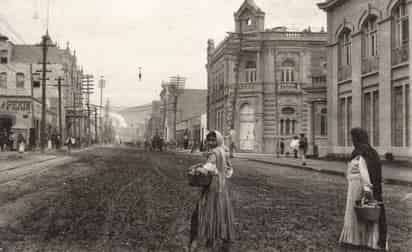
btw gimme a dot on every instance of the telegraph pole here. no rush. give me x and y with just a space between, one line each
87 89
95 124
59 87
44 45
177 84
102 85
237 66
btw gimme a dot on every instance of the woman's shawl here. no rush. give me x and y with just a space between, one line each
223 164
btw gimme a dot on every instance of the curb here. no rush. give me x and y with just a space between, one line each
331 172
29 163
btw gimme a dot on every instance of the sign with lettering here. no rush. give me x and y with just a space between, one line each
15 106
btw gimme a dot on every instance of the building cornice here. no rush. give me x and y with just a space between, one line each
330 4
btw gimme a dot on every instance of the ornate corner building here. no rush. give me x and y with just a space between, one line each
369 74
269 84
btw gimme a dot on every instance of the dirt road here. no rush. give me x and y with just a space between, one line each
122 199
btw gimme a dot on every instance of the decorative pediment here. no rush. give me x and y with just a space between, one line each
248 8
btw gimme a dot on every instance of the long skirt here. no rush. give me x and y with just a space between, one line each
356 232
215 219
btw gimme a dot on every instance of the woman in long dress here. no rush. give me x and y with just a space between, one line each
364 177
212 220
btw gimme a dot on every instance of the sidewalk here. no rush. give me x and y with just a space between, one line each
10 160
392 174
13 160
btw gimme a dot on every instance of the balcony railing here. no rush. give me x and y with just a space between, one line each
400 54
318 81
344 72
370 65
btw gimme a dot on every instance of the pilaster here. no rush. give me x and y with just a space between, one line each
332 97
356 81
385 84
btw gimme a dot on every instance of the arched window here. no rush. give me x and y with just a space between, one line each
3 80
400 34
282 128
323 122
345 47
369 37
401 24
288 71
288 127
20 80
250 71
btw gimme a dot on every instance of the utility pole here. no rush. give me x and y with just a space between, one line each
177 85
44 44
87 89
102 85
59 87
276 105
95 124
237 66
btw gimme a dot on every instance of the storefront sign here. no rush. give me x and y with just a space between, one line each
15 106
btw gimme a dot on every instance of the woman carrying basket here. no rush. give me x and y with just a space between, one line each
212 220
364 177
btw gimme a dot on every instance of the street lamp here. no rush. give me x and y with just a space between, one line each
140 74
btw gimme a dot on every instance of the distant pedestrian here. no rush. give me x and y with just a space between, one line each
232 140
212 220
364 176
185 141
21 143
303 148
294 145
282 146
70 142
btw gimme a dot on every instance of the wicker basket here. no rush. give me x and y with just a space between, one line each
199 180
368 213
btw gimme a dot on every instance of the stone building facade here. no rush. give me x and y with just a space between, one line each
369 73
185 105
274 78
20 88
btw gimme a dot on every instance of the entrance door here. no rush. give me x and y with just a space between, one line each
247 128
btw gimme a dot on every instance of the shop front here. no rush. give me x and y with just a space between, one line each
16 120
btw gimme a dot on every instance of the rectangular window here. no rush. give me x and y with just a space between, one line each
19 80
341 122
282 127
375 105
397 120
3 80
348 121
367 122
3 60
36 84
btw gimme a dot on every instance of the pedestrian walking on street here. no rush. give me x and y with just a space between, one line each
232 139
303 148
294 145
212 221
364 176
282 146
70 142
21 143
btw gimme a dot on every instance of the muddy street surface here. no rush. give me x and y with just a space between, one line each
124 199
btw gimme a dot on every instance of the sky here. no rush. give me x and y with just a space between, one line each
114 38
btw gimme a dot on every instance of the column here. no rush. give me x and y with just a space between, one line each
332 97
385 85
356 81
409 7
